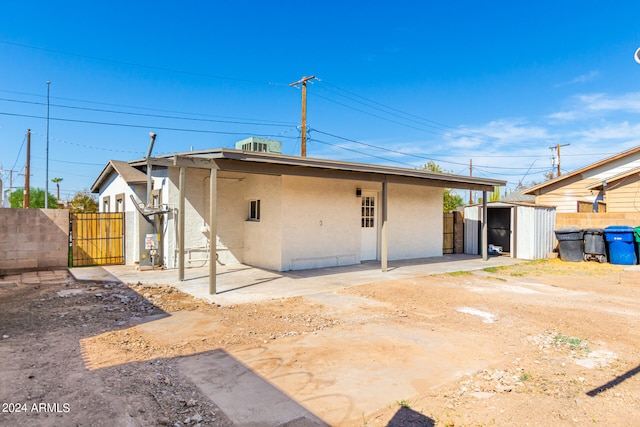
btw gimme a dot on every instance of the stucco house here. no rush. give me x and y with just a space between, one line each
609 185
275 211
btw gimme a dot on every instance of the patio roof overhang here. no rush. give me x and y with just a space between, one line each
278 164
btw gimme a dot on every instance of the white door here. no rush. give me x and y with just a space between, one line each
369 227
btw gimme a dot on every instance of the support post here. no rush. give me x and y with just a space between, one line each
181 185
383 232
485 236
213 230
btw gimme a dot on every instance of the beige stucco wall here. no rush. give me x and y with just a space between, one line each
33 239
321 222
231 216
415 222
305 222
263 239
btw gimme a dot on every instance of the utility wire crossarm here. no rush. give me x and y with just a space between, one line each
557 147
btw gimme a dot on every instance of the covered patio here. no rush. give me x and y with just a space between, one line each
238 284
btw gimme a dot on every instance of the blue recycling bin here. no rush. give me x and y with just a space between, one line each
620 243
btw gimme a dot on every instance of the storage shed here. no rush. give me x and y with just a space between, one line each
516 229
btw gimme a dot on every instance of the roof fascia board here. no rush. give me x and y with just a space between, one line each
609 181
277 164
535 188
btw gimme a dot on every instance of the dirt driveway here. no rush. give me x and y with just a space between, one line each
543 343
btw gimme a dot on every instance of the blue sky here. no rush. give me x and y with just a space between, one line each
399 83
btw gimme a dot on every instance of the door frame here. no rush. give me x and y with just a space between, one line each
376 221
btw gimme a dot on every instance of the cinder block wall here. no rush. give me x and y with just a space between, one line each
597 220
33 239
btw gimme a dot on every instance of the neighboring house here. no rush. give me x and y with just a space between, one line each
609 185
276 211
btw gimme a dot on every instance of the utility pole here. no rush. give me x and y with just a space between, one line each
303 137
557 147
27 172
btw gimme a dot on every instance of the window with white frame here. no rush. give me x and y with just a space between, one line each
254 210
368 212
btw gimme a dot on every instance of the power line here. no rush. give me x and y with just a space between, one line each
19 152
393 111
384 111
147 115
90 146
362 153
407 154
137 126
375 115
142 108
386 106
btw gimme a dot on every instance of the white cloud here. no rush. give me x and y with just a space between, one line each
598 104
622 131
582 78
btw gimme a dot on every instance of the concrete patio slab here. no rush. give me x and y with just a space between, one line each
237 284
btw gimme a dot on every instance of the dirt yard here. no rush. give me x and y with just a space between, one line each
543 343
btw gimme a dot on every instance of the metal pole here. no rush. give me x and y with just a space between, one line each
485 237
181 185
384 231
213 230
46 186
27 173
149 181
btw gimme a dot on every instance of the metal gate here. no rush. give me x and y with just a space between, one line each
448 230
97 238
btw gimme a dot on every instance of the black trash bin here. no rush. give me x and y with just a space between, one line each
570 244
594 245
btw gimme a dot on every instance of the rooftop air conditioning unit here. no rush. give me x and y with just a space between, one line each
259 144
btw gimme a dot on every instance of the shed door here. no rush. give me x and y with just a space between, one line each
369 227
499 228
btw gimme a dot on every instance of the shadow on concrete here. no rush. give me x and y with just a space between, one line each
375 265
243 395
255 283
206 275
614 382
407 417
